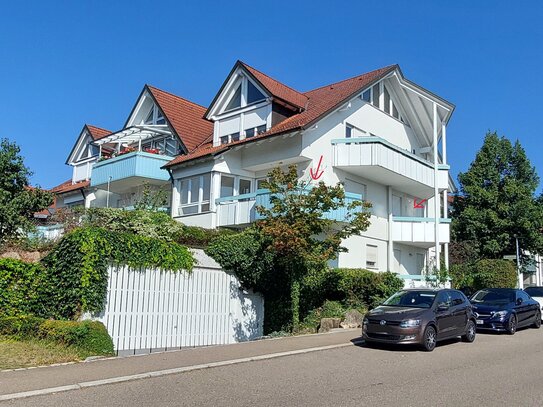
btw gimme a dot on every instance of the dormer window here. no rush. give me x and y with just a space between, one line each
253 94
235 102
246 94
155 116
386 103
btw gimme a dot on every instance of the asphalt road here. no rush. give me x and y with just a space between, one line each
494 370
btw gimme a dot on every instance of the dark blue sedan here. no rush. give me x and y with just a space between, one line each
505 310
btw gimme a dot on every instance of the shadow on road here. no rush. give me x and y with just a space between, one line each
399 348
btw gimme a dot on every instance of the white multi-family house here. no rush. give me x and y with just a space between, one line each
378 133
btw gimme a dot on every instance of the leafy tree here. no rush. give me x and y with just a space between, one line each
152 199
496 201
299 231
18 201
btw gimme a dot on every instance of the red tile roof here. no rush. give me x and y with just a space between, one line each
186 117
277 89
320 101
97 132
68 186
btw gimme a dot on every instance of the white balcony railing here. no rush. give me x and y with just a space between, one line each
415 230
398 165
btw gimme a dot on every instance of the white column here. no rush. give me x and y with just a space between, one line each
390 246
444 142
445 210
436 191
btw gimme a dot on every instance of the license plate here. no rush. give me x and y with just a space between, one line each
479 322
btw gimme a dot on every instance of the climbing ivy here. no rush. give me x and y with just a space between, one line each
77 274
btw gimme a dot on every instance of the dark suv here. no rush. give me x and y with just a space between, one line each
422 316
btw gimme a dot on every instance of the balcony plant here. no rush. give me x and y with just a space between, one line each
153 151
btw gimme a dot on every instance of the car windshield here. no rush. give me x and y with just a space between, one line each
417 299
491 297
534 291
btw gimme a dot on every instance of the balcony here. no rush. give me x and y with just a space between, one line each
378 160
138 165
419 231
240 210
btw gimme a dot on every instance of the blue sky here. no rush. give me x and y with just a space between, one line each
63 64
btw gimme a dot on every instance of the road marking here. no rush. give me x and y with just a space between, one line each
159 373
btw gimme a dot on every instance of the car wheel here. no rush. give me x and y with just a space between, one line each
429 339
471 329
537 321
511 327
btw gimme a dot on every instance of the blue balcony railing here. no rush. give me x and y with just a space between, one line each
137 164
262 198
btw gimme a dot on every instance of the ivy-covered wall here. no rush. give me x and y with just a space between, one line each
72 279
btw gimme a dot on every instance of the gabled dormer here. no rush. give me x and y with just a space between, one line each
83 149
250 103
84 152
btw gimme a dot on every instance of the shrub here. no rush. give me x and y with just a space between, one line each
494 273
195 236
158 225
352 287
20 287
245 255
89 337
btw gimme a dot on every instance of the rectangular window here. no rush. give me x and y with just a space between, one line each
244 186
227 186
194 194
371 256
184 191
396 205
194 189
366 96
348 131
420 263
386 107
234 136
224 139
250 133
375 95
261 129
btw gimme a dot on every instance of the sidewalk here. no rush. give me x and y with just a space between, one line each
58 376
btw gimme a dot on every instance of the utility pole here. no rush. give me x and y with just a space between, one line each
519 274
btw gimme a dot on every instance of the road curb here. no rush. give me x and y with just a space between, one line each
165 372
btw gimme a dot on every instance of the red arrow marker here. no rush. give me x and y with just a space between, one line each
420 204
316 175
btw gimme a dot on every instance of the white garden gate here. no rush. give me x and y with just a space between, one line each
153 310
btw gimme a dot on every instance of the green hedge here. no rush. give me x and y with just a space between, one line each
89 337
494 273
486 273
21 287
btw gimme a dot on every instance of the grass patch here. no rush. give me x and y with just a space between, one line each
16 353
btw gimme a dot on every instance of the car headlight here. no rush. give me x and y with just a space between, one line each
410 323
365 321
498 314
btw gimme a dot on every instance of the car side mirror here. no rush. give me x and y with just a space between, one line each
519 301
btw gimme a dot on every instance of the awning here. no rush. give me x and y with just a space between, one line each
135 134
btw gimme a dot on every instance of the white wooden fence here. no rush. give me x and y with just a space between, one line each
153 310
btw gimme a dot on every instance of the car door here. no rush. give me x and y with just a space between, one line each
444 317
525 308
459 311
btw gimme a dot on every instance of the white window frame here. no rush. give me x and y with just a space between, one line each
157 113
200 202
375 265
